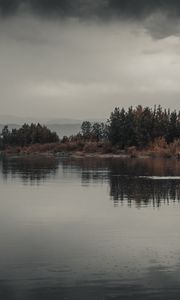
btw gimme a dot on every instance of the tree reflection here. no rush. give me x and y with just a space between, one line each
33 169
130 179
144 191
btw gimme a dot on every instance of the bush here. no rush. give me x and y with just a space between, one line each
90 147
132 151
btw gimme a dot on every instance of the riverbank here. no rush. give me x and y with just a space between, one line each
159 149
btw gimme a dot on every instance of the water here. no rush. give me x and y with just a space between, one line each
89 229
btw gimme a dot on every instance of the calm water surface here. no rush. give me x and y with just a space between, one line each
89 229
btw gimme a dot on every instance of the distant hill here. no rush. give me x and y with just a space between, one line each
65 129
63 121
10 126
9 119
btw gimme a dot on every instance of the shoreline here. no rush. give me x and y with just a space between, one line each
84 155
94 150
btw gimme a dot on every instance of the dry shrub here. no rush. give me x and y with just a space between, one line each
160 148
132 151
80 145
158 144
71 146
13 150
39 148
165 153
60 148
161 153
107 148
90 147
175 147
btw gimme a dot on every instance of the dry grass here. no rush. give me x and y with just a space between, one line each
132 151
69 146
159 148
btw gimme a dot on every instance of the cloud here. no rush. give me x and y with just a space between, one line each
74 68
81 58
101 8
159 17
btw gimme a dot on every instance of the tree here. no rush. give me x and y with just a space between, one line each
98 131
86 128
173 130
6 135
116 124
140 126
27 135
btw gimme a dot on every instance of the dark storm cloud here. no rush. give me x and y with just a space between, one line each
99 8
53 7
143 8
159 17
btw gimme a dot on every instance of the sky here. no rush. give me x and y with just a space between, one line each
81 58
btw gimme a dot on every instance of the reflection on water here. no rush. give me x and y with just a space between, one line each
31 169
62 237
139 181
144 191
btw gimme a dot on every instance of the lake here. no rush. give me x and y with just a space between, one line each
89 229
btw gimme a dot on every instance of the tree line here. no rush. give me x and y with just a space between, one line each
27 135
136 126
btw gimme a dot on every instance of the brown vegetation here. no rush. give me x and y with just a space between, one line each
159 148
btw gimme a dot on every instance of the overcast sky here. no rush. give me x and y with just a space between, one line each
80 59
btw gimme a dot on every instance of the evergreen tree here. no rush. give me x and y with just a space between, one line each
86 128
